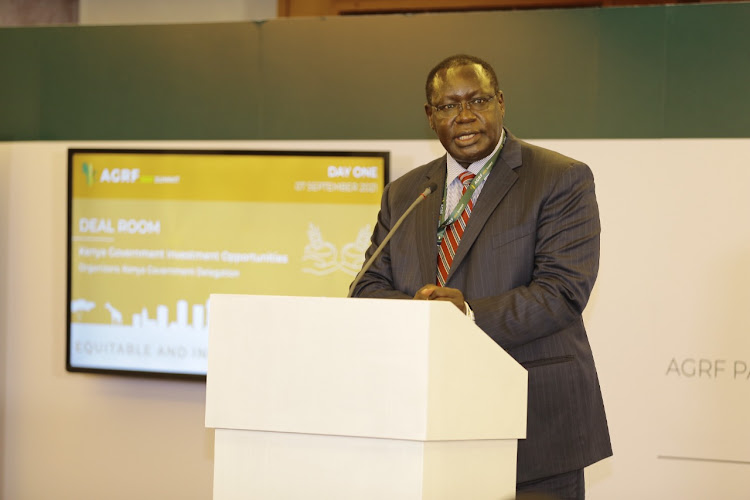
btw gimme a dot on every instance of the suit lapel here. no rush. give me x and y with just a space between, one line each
426 218
497 185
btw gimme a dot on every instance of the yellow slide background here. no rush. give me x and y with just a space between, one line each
232 224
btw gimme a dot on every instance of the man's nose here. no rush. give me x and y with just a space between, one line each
465 114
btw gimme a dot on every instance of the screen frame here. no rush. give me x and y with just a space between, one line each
385 155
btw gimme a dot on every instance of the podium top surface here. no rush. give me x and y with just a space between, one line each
397 369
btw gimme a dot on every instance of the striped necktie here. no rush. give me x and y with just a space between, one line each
453 234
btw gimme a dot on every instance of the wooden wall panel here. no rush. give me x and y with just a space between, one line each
302 8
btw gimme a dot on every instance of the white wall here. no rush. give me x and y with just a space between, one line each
78 436
174 11
672 285
4 244
81 436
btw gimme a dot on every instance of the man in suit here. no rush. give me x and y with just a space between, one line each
511 237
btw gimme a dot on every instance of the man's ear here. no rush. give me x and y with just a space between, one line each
428 111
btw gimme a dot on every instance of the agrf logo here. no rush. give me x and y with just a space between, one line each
88 172
111 175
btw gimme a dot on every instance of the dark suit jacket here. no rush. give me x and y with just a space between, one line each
526 265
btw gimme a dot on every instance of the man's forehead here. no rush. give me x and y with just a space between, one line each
448 74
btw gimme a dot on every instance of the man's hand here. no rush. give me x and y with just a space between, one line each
434 292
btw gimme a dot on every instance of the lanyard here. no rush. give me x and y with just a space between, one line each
466 197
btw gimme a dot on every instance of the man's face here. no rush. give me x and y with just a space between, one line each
471 134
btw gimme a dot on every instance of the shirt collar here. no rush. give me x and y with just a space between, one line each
454 168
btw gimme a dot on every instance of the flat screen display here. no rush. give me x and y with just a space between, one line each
151 234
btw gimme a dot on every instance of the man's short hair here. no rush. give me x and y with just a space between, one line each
453 62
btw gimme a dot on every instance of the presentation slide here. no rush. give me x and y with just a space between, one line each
153 233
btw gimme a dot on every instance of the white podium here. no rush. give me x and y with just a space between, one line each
328 398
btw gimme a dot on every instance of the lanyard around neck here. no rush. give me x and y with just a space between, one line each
466 197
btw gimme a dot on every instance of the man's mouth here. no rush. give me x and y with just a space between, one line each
466 138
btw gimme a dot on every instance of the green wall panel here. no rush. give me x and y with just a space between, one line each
668 71
708 71
19 85
548 71
135 82
364 77
343 78
630 83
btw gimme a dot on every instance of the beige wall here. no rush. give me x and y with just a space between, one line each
78 436
82 436
672 285
38 12
4 243
174 11
101 428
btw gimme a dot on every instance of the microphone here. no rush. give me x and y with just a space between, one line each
431 188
